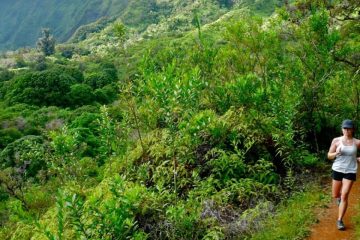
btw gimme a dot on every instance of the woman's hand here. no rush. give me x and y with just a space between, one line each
338 151
335 149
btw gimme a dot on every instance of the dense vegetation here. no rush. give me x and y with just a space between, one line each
192 136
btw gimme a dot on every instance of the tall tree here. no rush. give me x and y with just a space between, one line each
46 43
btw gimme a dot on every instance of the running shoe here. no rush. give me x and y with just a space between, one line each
340 225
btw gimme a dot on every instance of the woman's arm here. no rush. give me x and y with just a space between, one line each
357 141
334 149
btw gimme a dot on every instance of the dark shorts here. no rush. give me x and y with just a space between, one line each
338 176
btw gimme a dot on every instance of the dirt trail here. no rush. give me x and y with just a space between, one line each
326 228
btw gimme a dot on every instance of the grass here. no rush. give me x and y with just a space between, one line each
294 218
356 221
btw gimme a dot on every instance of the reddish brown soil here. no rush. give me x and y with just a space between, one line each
326 229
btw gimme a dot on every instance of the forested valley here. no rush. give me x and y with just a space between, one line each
198 126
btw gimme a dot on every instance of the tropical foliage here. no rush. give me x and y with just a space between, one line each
192 136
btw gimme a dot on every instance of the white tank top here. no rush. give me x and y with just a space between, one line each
346 162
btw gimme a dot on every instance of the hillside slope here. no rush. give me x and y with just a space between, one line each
22 20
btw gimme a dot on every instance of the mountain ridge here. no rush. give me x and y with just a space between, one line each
23 20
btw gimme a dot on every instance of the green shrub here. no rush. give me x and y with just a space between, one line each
9 135
27 153
106 94
80 94
98 80
67 51
5 75
183 221
46 88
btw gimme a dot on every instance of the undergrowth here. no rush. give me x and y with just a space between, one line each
295 216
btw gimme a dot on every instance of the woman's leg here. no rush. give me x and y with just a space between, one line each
336 188
345 190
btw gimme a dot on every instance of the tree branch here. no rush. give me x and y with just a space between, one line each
346 61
